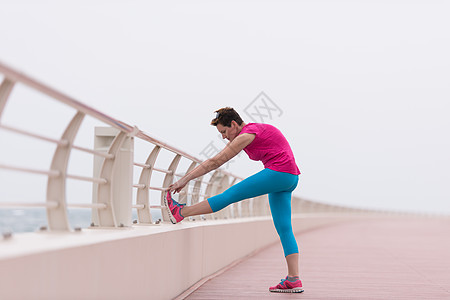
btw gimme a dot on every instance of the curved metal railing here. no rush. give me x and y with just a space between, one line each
108 212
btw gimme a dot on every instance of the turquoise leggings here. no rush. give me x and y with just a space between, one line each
279 186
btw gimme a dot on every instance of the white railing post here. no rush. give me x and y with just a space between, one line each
261 205
245 207
117 193
196 194
168 179
211 189
222 183
185 191
143 195
234 206
5 90
56 186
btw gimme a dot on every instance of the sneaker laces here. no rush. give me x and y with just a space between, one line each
178 204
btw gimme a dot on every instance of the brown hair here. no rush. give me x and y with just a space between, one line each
225 115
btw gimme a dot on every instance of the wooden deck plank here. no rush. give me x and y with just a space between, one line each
384 258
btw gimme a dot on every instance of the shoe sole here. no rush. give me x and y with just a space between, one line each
171 217
294 290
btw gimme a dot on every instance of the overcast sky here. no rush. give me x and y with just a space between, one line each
359 88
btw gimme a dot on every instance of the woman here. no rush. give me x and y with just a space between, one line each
278 179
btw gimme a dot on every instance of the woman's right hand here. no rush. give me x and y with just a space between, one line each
177 186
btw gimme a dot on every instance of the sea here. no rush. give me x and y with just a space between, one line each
20 220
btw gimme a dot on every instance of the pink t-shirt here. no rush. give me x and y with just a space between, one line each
271 147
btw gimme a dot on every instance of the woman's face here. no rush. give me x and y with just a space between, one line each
229 133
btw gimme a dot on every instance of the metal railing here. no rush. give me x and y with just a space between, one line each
107 211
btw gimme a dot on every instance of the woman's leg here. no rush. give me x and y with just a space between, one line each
280 207
201 208
261 183
264 182
292 264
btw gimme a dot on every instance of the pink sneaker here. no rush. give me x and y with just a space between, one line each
173 208
286 286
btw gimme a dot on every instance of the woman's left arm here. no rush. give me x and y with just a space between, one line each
230 151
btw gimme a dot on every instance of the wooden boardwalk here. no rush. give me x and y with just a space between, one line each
382 258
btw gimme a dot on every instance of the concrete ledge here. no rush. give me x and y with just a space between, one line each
142 262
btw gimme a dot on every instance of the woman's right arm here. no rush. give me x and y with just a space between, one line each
230 151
